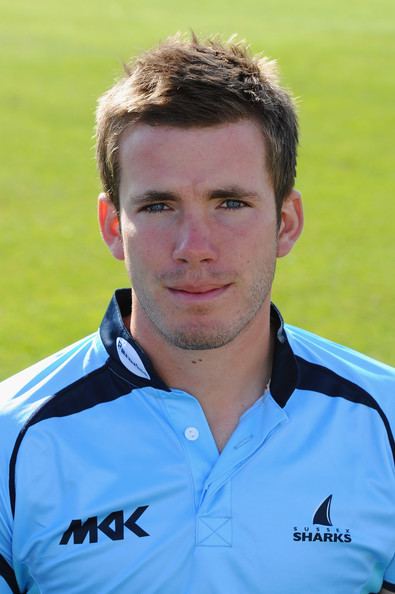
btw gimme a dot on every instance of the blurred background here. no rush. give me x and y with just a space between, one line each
58 57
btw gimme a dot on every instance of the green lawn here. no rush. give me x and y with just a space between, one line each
57 58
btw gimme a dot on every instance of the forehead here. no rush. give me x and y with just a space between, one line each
173 156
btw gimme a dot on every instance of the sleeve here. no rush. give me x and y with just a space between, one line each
8 584
389 409
389 577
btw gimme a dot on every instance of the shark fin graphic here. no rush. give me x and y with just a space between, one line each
322 515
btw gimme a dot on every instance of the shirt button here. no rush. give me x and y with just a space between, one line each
191 433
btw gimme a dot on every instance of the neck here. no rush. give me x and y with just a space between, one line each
225 380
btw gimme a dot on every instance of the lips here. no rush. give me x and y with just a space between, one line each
195 293
197 289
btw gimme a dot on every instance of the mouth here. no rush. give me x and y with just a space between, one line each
193 294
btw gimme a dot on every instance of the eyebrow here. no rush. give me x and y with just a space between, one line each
233 192
151 196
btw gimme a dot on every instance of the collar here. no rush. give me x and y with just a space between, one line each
131 362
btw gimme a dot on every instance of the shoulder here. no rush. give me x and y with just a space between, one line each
361 376
24 393
22 396
342 359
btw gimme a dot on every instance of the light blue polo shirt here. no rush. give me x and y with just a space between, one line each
111 482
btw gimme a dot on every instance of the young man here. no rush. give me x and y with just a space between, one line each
195 444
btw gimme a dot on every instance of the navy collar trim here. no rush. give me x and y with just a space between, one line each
285 375
127 357
130 361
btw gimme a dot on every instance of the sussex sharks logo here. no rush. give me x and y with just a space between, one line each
322 528
323 514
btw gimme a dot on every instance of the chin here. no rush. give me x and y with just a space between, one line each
198 338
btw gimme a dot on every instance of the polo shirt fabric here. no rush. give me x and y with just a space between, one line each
111 482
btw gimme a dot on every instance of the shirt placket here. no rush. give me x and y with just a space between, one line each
212 472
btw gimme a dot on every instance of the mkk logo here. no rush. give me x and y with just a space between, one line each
322 529
113 526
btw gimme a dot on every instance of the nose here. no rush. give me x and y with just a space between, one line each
194 241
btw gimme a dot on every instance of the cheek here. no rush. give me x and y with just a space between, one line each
145 248
254 244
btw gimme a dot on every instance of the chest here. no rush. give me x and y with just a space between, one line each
149 506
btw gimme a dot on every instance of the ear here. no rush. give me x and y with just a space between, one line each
109 226
291 223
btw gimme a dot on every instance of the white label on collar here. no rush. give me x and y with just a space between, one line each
129 357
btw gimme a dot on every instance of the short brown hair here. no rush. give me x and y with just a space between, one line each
185 83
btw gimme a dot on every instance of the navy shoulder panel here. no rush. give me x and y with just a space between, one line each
318 378
99 386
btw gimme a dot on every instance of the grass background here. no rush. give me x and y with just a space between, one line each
56 58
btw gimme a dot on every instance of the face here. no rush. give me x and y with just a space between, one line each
198 231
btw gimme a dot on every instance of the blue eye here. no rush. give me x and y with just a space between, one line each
232 204
157 207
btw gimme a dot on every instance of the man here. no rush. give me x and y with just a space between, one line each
195 444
